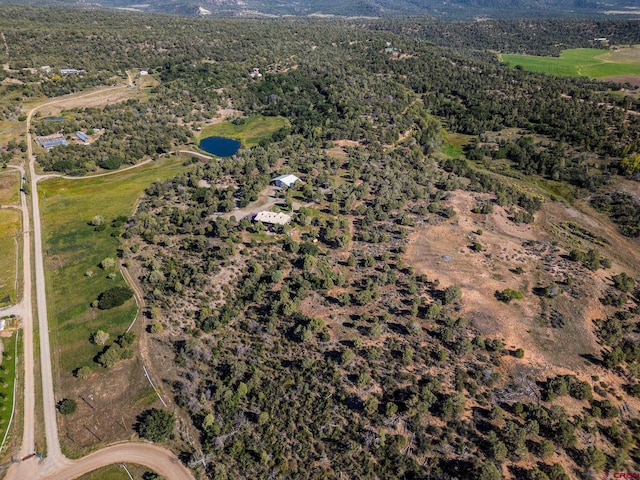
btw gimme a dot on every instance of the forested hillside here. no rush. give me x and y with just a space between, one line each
455 294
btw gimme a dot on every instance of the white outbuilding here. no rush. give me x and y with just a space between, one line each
285 181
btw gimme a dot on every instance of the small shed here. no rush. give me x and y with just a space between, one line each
82 136
285 181
272 218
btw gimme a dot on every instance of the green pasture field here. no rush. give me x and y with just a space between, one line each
9 187
7 378
73 247
250 133
10 224
115 472
588 62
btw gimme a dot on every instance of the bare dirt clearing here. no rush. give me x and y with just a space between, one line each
105 411
100 98
631 79
444 252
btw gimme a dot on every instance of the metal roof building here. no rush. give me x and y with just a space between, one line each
285 181
70 71
51 141
82 136
272 218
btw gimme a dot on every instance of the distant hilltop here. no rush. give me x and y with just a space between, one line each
443 9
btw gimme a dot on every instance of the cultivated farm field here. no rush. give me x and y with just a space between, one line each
588 62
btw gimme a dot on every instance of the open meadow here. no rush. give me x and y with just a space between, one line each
587 62
74 252
75 249
9 248
9 187
250 131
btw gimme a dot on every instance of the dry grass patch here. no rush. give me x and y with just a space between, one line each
9 187
444 252
10 224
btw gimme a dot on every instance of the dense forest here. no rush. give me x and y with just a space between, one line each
317 349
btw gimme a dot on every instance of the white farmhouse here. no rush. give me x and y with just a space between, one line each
272 218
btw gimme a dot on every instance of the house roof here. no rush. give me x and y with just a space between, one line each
272 218
288 179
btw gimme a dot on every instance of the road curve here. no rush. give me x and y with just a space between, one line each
156 458
197 154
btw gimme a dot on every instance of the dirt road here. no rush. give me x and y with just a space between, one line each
56 465
26 313
149 455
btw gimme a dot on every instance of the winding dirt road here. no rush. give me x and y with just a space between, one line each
56 465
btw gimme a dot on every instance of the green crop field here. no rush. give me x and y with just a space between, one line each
250 132
588 62
10 224
74 250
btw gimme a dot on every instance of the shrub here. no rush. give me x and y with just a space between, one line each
451 294
156 424
112 355
83 372
156 327
100 337
67 406
624 282
108 263
509 294
96 221
114 297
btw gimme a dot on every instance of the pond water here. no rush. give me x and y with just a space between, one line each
220 146
54 119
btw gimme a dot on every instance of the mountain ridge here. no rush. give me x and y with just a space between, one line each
448 10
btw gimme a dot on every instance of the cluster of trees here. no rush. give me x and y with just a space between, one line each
623 209
230 375
567 384
132 131
119 350
553 161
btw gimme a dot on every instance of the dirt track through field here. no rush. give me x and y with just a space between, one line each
56 466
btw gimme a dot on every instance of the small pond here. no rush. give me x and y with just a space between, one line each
220 146
54 119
